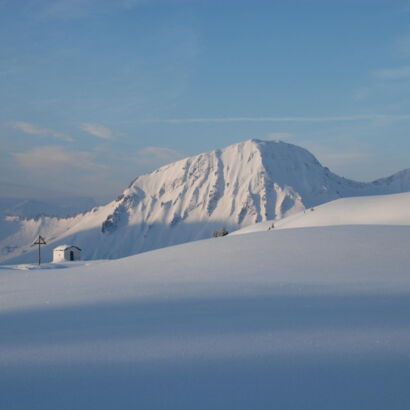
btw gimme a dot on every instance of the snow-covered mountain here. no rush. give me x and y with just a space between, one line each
239 185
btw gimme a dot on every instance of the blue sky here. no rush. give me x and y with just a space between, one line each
95 92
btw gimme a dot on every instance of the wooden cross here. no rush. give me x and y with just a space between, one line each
39 241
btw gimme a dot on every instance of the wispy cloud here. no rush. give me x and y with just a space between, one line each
402 46
78 9
32 129
99 130
362 93
156 156
66 9
279 135
348 151
397 73
370 117
335 157
54 159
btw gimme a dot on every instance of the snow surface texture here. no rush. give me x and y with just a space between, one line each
313 318
242 184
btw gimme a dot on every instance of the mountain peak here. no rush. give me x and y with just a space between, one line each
247 182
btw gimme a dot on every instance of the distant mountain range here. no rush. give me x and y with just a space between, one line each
239 185
34 207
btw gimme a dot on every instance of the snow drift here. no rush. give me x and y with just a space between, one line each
368 210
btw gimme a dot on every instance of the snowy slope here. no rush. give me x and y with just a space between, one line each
313 318
369 210
242 184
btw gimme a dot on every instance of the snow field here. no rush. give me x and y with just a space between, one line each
312 318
